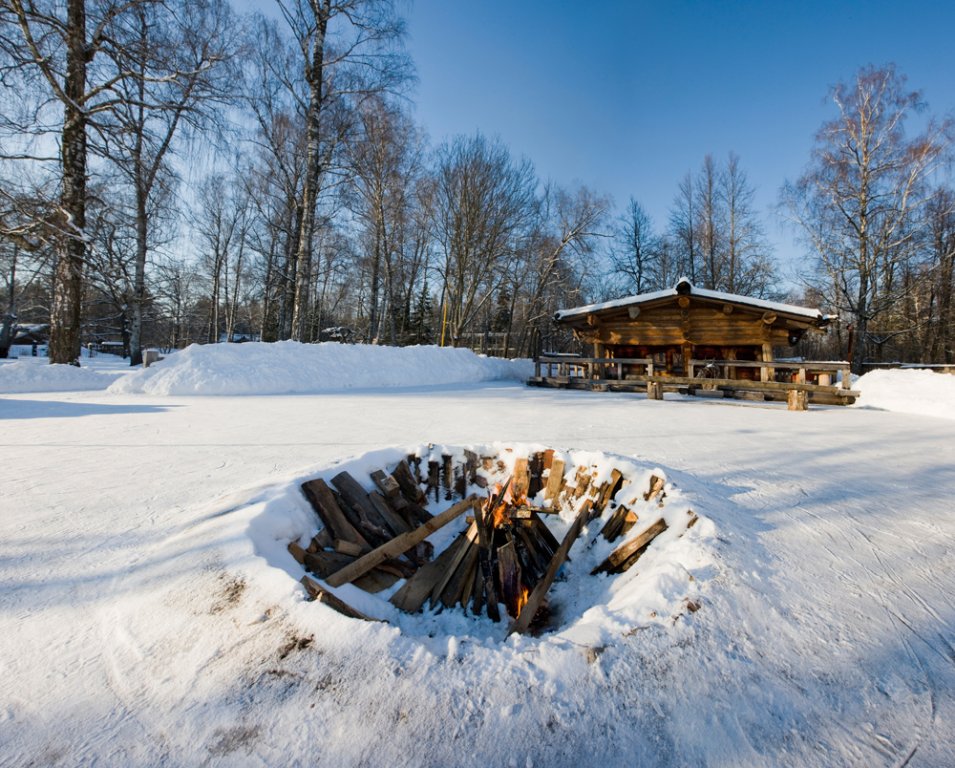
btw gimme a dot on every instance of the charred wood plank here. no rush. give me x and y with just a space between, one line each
357 498
509 574
396 523
488 595
463 575
470 536
447 475
323 501
536 469
408 483
523 622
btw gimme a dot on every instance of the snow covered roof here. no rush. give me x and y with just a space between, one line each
685 288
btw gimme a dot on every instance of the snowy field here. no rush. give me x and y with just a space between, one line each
150 616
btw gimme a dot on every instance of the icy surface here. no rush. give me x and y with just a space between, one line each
908 391
149 613
288 367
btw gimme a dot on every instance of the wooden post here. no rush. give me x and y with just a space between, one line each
797 400
654 390
767 374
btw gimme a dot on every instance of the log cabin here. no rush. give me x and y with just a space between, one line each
682 323
671 339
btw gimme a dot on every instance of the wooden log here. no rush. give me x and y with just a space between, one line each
413 593
555 480
447 476
400 543
548 457
796 400
621 521
357 498
296 551
389 489
629 552
582 482
434 480
396 523
321 540
520 480
418 515
534 601
657 484
320 595
460 480
347 548
323 502
607 491
408 484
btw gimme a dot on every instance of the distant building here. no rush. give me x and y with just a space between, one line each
683 323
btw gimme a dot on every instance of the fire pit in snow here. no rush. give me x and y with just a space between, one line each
520 518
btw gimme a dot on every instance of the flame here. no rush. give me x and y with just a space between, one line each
522 598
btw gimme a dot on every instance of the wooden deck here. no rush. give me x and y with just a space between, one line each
713 378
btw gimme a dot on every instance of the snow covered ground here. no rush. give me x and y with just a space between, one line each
147 616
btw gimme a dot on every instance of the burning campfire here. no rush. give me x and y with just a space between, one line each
502 564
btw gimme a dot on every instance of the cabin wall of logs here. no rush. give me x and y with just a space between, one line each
517 517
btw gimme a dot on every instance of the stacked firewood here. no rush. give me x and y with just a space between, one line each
502 565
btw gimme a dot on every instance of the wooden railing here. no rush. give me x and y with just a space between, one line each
804 370
587 367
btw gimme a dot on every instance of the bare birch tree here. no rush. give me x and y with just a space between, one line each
859 199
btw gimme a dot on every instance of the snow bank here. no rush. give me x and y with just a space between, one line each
36 375
289 367
908 391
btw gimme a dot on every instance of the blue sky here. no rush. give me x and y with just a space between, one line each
626 97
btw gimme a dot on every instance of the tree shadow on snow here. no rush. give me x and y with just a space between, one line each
55 409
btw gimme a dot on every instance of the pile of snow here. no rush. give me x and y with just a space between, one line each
289 367
920 392
37 375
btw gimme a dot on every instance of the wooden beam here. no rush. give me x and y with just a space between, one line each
401 543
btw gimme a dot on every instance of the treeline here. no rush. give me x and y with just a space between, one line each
172 173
